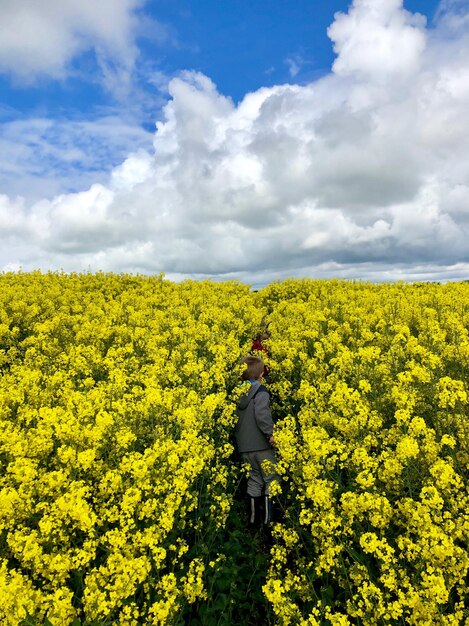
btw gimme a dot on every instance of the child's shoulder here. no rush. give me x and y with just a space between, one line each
261 388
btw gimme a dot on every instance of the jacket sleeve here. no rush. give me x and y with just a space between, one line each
262 413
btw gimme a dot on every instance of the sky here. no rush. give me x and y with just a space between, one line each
236 139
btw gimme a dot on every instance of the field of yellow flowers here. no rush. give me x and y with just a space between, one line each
120 498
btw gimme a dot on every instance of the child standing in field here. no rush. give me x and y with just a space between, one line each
255 441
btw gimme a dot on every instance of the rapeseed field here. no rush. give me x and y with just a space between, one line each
121 494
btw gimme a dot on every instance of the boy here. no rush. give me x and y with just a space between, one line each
255 440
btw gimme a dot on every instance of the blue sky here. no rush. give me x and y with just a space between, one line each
241 45
129 140
246 45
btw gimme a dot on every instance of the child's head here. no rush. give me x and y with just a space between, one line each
254 367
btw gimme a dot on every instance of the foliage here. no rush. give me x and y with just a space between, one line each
120 500
372 384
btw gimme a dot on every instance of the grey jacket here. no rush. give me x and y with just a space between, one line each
255 424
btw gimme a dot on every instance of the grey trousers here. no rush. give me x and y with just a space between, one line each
258 481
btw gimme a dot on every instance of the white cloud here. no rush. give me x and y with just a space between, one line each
40 157
378 39
294 65
12 220
364 173
42 37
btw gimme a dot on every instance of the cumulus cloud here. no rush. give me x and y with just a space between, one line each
42 38
363 173
378 39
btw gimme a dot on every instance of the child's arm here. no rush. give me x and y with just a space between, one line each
263 415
